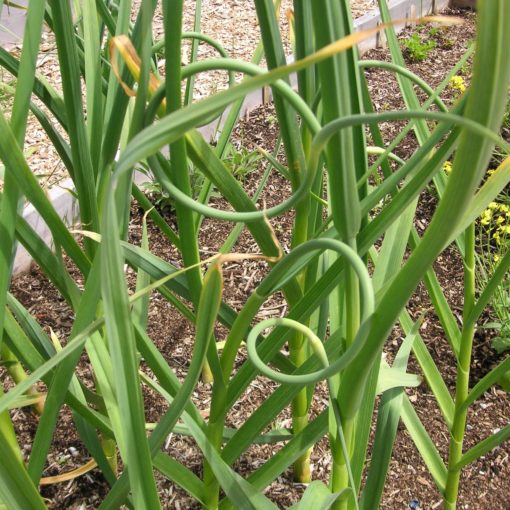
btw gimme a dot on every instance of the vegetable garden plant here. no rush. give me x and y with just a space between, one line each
339 314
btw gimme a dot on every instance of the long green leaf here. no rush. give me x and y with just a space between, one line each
121 340
484 447
425 446
386 429
16 489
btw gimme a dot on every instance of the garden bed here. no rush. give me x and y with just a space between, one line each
485 483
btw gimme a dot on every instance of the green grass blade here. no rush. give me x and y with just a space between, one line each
63 381
304 46
41 88
393 248
364 427
19 343
165 375
339 82
116 99
408 92
46 259
38 338
58 141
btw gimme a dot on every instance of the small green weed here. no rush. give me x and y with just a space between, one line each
506 116
242 162
160 197
6 89
416 49
434 32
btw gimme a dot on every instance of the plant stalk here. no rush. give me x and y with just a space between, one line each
340 472
7 432
219 403
297 351
173 13
463 368
18 375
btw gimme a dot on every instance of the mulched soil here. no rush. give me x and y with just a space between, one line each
485 483
239 38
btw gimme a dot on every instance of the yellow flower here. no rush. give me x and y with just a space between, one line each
486 216
457 83
447 167
500 220
493 205
496 258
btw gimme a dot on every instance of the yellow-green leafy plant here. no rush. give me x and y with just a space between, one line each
339 315
416 48
493 244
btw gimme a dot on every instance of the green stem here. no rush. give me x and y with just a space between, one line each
298 352
340 472
173 11
18 375
7 431
219 403
290 132
463 369
212 487
298 356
